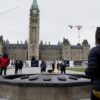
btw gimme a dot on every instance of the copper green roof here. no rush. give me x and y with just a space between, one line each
34 4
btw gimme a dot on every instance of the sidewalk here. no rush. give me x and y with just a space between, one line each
36 70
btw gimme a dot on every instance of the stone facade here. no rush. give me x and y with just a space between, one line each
28 50
64 51
16 51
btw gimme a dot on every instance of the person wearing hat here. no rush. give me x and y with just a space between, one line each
93 69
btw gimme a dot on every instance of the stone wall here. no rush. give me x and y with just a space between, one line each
13 92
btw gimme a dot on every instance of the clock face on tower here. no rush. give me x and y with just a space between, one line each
34 11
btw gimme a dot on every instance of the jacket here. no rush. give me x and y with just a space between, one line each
93 69
43 65
4 62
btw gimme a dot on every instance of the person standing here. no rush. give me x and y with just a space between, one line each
0 63
20 66
58 66
16 66
53 66
93 69
43 66
4 63
63 68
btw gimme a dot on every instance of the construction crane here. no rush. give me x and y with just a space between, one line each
78 28
9 10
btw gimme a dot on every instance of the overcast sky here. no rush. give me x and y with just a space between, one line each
55 16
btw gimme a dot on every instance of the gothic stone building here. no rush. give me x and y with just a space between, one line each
64 50
32 48
15 51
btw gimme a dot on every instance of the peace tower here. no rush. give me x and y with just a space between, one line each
34 25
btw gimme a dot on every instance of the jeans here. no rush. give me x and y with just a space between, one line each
1 71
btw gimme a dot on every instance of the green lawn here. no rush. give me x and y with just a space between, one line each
78 69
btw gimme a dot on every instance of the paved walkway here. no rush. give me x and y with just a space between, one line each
35 70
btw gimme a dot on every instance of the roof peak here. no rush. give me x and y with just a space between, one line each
34 4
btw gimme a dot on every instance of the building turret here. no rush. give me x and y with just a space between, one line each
26 42
65 42
66 48
85 43
41 43
86 48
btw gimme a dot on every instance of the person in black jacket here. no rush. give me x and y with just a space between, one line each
20 66
16 66
53 66
93 69
43 66
63 68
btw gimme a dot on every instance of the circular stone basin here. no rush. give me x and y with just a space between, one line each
44 87
49 79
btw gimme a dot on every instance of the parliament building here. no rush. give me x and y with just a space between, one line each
33 49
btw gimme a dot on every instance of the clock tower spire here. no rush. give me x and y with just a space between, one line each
34 26
34 5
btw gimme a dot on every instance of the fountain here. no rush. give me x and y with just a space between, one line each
44 87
